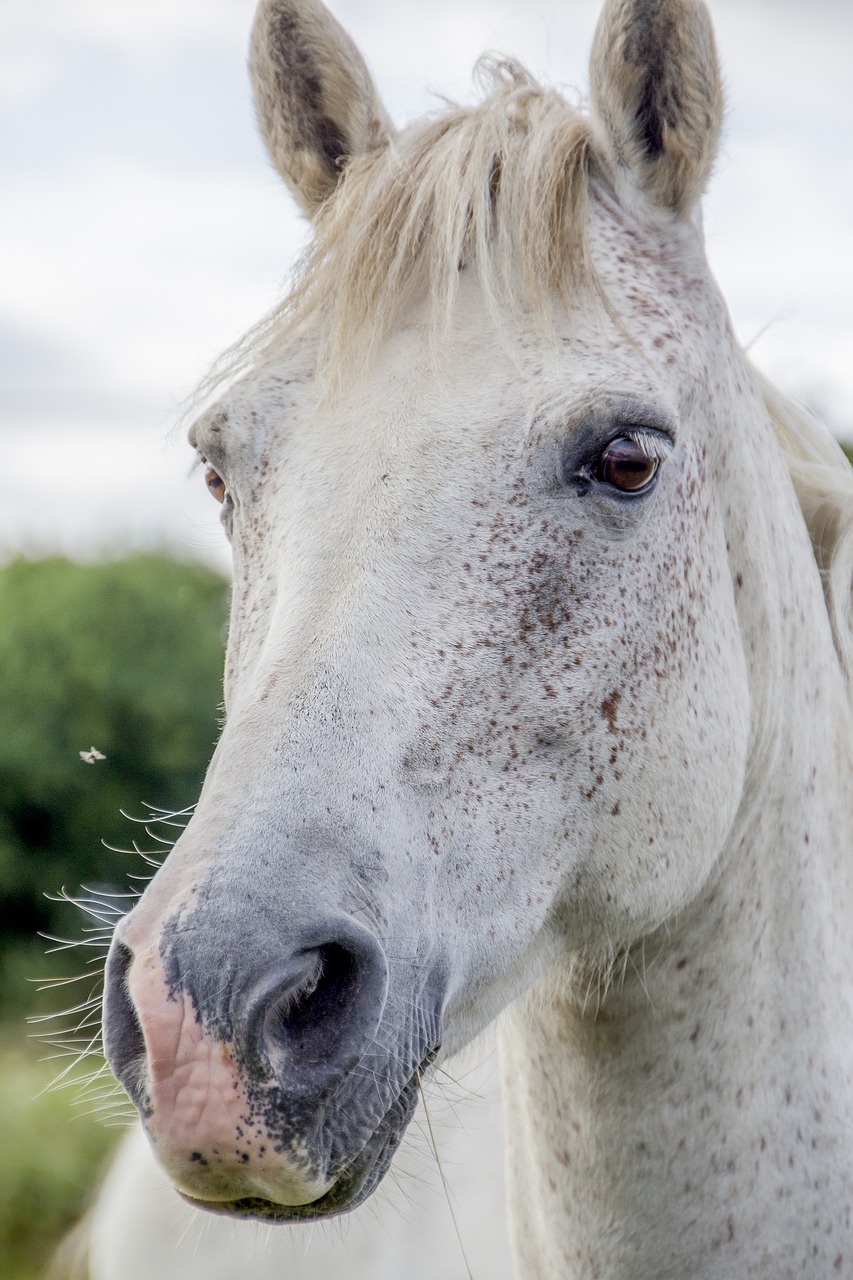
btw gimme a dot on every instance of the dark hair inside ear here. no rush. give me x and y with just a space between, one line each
655 86
315 100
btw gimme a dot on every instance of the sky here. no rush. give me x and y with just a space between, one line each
142 228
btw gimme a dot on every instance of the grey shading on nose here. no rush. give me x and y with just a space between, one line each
300 1015
313 1017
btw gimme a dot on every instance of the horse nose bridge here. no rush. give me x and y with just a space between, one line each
351 686
297 793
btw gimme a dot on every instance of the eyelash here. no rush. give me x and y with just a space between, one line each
216 481
654 448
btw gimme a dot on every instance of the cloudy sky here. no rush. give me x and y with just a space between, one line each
142 230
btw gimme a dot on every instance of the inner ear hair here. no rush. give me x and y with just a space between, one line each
657 98
316 103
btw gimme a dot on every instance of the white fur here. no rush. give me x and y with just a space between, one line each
601 745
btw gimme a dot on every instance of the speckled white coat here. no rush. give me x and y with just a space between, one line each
540 736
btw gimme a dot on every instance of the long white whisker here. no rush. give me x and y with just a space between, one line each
444 1182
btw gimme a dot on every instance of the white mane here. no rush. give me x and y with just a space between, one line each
504 182
823 482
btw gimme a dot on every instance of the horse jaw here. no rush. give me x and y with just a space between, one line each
490 711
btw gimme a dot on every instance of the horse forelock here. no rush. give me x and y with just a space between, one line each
502 186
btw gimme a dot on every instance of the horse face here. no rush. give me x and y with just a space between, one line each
483 643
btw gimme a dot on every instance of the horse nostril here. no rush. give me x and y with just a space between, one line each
124 1043
304 1024
313 1025
296 1022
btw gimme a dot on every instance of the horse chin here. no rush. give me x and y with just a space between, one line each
347 1193
352 1187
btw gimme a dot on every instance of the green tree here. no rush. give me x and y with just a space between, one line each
124 656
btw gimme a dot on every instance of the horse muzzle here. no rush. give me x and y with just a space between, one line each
258 1072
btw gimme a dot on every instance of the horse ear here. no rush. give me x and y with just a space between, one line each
315 100
657 98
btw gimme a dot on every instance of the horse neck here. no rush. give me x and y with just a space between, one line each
697 1121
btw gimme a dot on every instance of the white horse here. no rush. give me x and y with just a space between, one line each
537 694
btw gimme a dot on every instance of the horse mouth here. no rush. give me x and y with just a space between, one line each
357 1181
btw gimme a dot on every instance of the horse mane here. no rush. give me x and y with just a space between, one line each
823 482
505 182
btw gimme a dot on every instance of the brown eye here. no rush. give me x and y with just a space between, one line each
215 483
627 464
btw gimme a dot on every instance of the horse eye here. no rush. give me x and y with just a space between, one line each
627 464
215 483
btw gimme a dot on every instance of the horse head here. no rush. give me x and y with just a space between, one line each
490 479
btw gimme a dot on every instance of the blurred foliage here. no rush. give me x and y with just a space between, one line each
50 1159
124 656
848 449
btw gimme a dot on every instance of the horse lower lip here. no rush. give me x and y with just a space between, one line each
252 1207
353 1184
249 1208
343 1195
